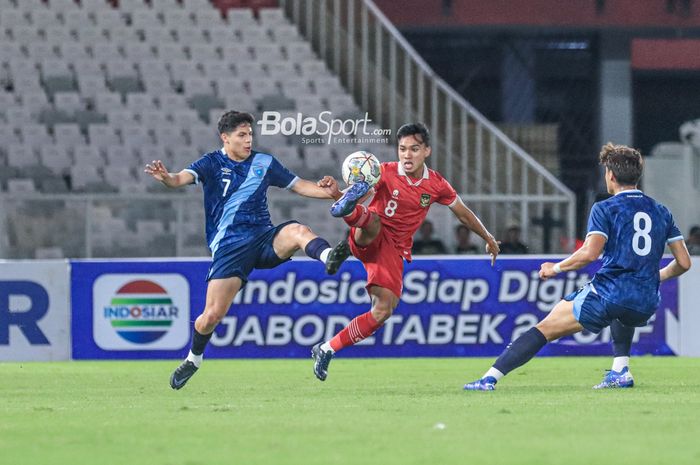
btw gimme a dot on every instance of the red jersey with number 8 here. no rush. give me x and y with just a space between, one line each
402 202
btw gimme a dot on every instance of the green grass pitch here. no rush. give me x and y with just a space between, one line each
369 411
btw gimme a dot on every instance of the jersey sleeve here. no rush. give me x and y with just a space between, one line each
674 234
280 176
598 221
201 169
447 195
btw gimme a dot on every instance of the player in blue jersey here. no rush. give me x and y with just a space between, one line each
239 232
631 230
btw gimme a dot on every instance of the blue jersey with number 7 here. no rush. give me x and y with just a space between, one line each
235 194
637 229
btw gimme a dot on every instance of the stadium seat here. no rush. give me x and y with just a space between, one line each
19 155
90 34
102 136
169 135
165 6
299 51
171 103
35 135
58 35
201 52
234 52
143 19
153 119
39 51
76 19
139 101
272 17
82 176
20 186
56 158
107 102
292 87
285 34
268 53
221 34
282 70
68 135
87 155
253 35
91 86
238 16
43 18
70 102
185 118
109 19
191 35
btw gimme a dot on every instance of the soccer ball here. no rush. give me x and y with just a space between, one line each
361 166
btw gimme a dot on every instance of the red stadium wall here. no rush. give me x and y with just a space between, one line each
624 13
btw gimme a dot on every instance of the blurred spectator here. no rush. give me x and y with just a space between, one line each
426 245
464 245
693 241
512 244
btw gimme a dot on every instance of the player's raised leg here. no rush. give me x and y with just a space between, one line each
220 294
361 327
559 323
295 236
619 375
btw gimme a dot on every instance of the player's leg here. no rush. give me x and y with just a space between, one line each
360 328
220 294
295 236
365 227
619 375
560 322
384 284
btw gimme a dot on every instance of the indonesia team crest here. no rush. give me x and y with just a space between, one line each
146 312
425 200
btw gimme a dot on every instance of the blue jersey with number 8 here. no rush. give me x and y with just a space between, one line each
637 229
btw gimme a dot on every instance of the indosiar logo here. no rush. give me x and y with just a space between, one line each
141 312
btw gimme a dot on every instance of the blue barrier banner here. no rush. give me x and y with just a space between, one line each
450 307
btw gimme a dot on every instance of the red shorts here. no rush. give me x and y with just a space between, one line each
382 261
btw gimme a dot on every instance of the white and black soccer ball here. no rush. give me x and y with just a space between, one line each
361 166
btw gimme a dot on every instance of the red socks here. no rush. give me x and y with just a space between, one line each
359 218
361 327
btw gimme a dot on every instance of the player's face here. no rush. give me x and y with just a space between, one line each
239 142
412 155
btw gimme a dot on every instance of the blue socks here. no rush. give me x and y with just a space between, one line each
314 248
621 338
520 351
199 342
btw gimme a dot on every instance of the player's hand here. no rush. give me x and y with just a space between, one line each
330 186
493 249
547 271
157 169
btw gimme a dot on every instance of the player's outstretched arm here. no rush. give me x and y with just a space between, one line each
471 221
326 188
157 170
589 252
680 263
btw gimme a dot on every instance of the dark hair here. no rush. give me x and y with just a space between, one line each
230 120
414 129
625 163
694 230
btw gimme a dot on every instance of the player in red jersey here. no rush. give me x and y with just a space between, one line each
381 235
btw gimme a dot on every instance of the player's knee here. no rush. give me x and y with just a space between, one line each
382 311
299 230
211 317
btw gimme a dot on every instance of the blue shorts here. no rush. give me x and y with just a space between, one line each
240 258
595 313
